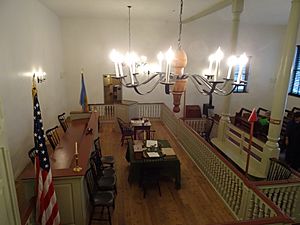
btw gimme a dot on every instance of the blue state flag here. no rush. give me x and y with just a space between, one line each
83 97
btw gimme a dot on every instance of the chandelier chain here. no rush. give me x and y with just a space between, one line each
129 29
180 24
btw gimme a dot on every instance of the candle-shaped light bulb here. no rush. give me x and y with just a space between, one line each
143 59
160 57
231 62
243 60
169 56
211 60
76 148
114 57
219 55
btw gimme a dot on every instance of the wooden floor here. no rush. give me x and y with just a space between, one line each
195 203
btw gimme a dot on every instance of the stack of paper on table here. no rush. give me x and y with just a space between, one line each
138 146
137 122
138 142
150 143
153 154
168 151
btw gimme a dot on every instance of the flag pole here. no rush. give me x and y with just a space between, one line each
252 119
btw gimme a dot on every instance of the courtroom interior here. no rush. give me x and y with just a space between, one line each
181 112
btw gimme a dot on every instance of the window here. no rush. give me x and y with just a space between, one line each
245 75
295 82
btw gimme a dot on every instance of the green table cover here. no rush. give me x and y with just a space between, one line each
169 165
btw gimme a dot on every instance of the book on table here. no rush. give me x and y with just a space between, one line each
168 151
153 154
151 143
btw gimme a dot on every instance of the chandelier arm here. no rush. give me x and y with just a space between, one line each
197 84
151 78
147 92
223 93
205 82
122 82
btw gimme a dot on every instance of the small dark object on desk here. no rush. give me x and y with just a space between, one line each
89 131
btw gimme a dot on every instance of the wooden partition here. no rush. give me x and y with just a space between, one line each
234 144
241 196
250 202
69 186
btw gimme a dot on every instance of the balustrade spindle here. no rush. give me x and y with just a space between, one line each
251 207
233 193
239 196
290 200
256 208
261 213
285 199
280 197
276 196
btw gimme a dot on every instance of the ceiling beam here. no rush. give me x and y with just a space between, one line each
211 9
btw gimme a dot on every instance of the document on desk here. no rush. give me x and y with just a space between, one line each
137 122
150 143
138 148
168 151
153 154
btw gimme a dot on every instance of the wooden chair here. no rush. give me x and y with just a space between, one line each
101 169
278 170
126 130
53 137
108 159
103 199
104 183
31 155
62 121
207 129
141 135
150 175
241 119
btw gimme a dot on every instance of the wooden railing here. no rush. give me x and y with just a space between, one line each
106 112
110 112
250 205
285 194
197 125
244 199
149 110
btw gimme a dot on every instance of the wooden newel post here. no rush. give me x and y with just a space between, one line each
252 119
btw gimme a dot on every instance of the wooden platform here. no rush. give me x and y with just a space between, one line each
195 203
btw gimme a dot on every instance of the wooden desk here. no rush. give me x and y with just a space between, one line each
170 164
69 185
141 125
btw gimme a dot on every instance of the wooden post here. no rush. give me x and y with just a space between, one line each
252 119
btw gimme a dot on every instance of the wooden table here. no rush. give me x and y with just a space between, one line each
170 165
69 185
140 124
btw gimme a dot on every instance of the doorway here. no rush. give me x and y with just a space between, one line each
112 89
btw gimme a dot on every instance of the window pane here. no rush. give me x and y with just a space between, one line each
240 89
295 83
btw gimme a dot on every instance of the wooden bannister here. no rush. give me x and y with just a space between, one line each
251 202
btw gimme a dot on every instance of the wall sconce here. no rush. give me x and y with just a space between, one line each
40 76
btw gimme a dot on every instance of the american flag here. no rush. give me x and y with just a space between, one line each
46 206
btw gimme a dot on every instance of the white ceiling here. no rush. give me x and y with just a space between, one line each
256 11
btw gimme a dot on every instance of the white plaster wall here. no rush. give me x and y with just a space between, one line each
30 38
88 43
